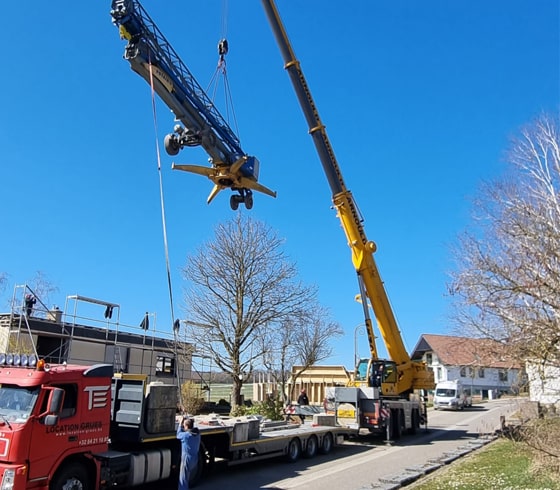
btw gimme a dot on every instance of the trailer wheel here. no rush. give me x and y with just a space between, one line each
72 477
327 444
294 451
311 447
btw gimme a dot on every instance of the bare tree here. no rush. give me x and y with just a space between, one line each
303 340
242 287
506 285
42 288
3 281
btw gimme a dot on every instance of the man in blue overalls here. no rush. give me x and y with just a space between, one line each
190 443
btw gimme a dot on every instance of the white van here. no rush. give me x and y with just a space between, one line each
451 395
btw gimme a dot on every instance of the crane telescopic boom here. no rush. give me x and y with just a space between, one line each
410 375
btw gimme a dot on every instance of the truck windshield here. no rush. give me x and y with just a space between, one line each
16 402
445 392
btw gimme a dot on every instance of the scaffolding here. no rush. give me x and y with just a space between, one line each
89 331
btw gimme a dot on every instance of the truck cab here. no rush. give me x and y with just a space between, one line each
48 415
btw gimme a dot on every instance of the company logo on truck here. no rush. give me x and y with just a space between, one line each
75 428
98 396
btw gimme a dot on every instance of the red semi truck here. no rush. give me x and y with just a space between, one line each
69 426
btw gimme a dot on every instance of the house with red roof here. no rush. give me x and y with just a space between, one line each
481 364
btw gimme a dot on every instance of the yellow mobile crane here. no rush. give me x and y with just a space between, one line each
382 392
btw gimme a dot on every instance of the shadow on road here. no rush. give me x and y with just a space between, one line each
263 474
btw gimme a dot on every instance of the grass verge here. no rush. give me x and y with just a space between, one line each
502 465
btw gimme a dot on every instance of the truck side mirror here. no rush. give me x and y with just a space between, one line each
53 406
50 420
56 398
54 401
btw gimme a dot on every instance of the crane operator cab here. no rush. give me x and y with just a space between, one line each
375 372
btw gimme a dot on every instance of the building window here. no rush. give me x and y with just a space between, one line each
70 401
503 375
481 372
463 372
439 374
471 372
165 366
429 358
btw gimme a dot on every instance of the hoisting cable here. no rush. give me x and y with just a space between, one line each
174 322
221 70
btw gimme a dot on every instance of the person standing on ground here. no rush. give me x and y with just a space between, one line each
190 444
302 400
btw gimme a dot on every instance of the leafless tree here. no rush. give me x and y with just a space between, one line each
506 284
242 286
40 285
303 340
3 281
42 288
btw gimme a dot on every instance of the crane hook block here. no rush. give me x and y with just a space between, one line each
223 47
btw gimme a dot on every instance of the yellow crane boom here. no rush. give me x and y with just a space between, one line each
408 375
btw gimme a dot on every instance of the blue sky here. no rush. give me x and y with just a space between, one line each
419 99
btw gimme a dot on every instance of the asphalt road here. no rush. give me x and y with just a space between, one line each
367 462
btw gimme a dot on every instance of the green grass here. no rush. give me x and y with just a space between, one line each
502 465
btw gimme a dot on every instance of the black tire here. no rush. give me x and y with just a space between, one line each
234 202
311 447
294 451
72 476
326 444
171 144
249 201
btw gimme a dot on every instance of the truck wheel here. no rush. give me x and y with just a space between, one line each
311 447
327 444
294 451
72 477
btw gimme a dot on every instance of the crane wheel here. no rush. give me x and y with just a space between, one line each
234 202
248 199
171 144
